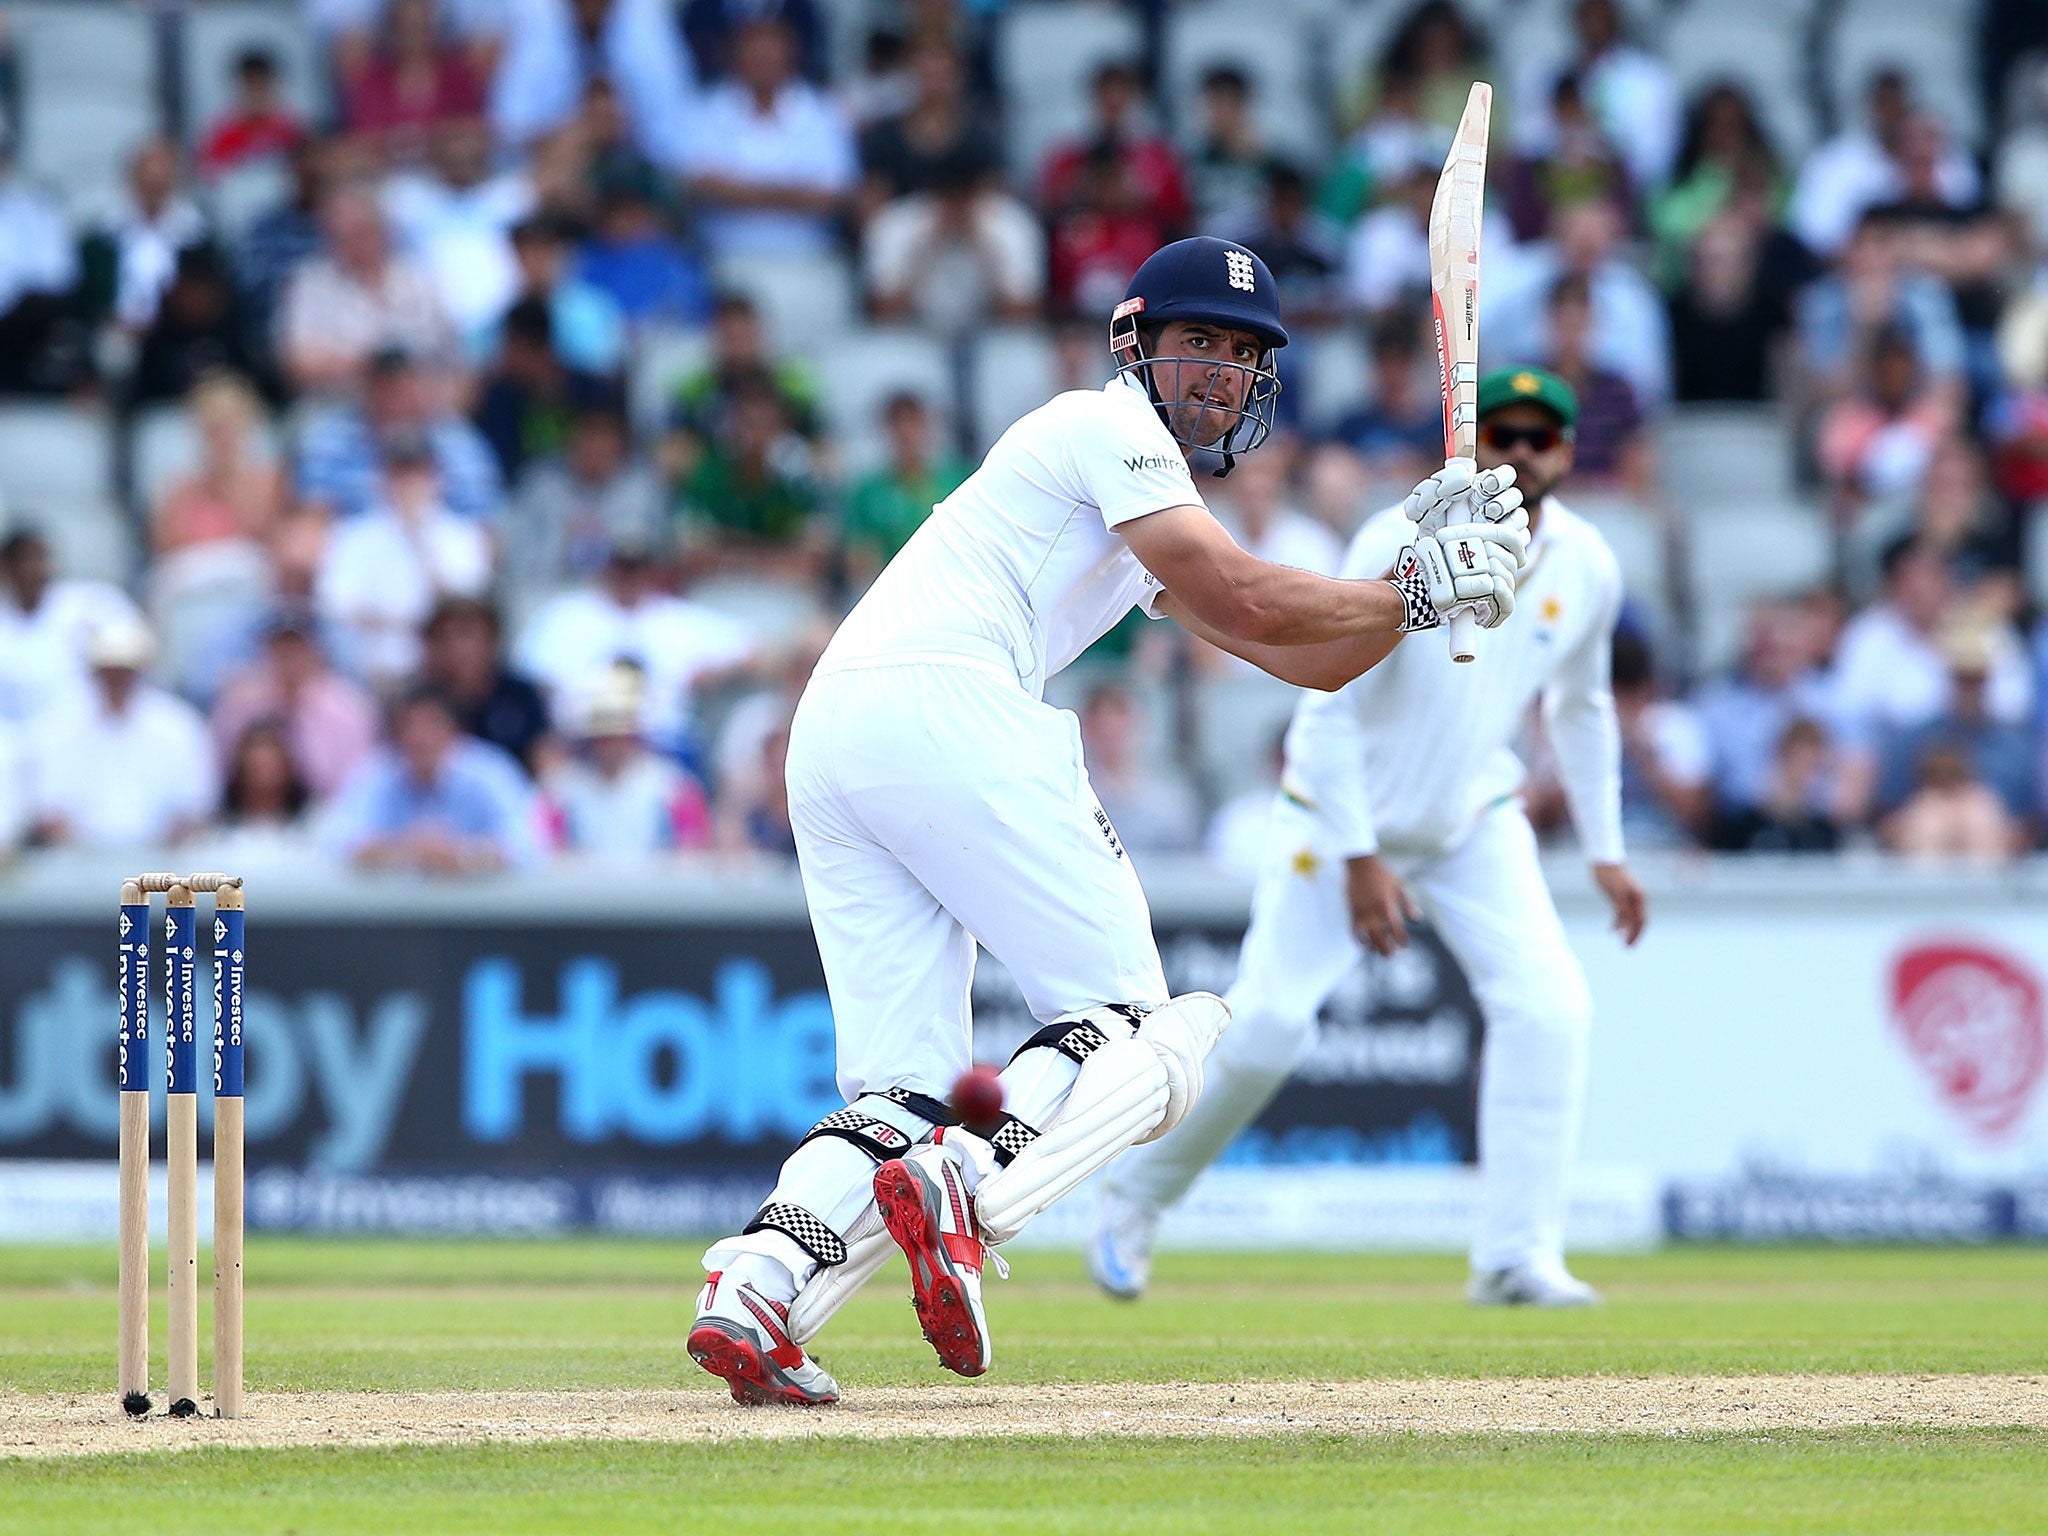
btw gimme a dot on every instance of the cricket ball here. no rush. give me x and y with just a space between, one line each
978 1097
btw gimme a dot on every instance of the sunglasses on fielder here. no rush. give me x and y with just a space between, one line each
1501 438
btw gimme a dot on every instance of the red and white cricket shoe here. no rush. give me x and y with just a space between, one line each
927 1208
742 1338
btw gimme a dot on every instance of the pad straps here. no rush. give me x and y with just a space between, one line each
883 1125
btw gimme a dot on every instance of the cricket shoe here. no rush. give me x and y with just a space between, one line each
742 1338
1530 1285
926 1206
1120 1250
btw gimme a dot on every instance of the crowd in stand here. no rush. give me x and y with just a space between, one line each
440 593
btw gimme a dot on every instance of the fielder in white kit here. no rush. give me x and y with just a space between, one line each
1399 800
939 804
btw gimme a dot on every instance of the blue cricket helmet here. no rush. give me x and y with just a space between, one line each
1204 278
1220 282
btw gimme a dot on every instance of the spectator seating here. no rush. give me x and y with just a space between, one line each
1934 44
1640 537
1529 39
164 447
207 606
243 195
1739 554
1335 376
2034 537
1046 53
847 26
803 299
1355 38
1236 719
1759 44
1733 518
1276 59
215 33
860 369
778 613
1157 709
1714 454
89 95
56 474
1353 44
1515 24
661 357
1727 476
1014 369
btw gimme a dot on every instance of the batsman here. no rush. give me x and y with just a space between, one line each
1400 800
941 806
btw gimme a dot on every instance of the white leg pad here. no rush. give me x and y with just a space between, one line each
868 1246
1183 1032
1119 1097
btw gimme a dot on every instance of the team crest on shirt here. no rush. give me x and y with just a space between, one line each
1552 610
1108 831
1237 267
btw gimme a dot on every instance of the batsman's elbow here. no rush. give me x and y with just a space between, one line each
1331 668
1325 671
1324 678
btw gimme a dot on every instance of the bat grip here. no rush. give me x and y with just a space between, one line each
1464 635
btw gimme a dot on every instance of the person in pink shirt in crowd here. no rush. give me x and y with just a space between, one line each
329 722
412 81
237 492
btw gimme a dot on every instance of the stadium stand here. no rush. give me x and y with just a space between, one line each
1825 390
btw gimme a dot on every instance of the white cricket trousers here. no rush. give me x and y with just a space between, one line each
936 805
1487 900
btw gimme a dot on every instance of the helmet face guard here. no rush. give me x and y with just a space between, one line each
1210 421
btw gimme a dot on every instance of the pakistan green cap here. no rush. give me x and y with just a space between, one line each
1539 386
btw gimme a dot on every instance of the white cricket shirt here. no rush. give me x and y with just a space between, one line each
1021 567
1408 755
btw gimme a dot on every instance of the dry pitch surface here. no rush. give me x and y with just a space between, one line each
74 1425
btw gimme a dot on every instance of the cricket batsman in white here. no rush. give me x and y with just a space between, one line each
1398 801
939 804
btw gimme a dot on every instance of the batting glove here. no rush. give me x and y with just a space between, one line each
1462 492
1467 563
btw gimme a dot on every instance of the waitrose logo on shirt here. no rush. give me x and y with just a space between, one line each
1150 461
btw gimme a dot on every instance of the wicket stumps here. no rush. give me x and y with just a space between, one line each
181 1139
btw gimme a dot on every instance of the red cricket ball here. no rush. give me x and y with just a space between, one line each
978 1096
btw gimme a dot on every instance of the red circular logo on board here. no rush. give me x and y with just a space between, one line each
1973 1021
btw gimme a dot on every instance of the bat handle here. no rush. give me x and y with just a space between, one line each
1464 635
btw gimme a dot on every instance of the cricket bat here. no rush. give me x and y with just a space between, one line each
1454 280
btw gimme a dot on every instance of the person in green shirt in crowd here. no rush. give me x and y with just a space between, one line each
701 401
749 506
888 506
1725 160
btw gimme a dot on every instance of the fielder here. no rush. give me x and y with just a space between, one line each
1399 801
940 804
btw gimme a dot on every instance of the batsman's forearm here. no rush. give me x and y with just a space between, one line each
1278 605
1326 665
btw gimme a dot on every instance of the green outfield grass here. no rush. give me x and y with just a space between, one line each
1794 1484
388 1316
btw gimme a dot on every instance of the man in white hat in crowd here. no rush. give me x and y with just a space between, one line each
125 765
617 798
